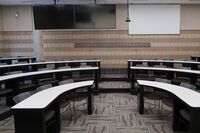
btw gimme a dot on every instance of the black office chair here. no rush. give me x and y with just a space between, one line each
64 75
86 75
26 84
141 74
46 78
5 92
159 74
181 77
50 117
75 96
152 94
43 87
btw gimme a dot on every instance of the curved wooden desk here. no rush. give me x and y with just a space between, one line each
34 66
12 81
194 65
29 114
182 97
195 57
170 72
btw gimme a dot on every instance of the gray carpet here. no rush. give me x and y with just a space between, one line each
113 113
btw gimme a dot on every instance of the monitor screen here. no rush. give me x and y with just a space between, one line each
75 17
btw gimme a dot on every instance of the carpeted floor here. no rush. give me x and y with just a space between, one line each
113 113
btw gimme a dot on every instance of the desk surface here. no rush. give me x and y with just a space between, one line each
167 61
48 62
42 99
189 96
14 76
166 69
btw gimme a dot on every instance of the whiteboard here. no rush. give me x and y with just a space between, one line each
154 19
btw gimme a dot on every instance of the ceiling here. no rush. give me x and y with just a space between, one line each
51 2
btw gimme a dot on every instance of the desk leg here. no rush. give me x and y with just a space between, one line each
175 117
140 100
128 69
96 83
99 72
90 101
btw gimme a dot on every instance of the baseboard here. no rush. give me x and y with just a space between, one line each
114 90
113 79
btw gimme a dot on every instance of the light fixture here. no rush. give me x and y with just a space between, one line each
127 18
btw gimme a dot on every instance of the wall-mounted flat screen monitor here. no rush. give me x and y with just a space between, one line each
75 17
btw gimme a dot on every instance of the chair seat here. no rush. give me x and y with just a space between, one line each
178 80
185 114
4 92
49 114
168 102
143 76
48 81
79 97
27 86
156 95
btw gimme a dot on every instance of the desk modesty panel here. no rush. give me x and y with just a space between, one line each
28 74
43 98
48 62
190 97
166 69
10 59
166 61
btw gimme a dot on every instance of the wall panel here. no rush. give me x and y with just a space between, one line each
115 47
17 43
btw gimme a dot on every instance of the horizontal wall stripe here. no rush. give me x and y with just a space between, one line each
28 41
18 50
111 45
119 50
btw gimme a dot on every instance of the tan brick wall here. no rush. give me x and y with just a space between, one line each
17 43
61 45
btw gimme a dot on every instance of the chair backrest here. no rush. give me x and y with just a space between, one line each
187 68
20 97
13 72
42 69
3 64
66 81
44 87
64 67
187 85
163 80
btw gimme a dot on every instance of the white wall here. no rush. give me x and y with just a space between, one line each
22 22
121 14
190 17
